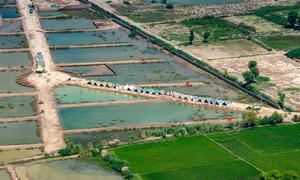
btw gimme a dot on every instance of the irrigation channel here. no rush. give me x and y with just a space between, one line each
95 79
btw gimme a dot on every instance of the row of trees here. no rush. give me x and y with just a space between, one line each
205 36
251 119
277 175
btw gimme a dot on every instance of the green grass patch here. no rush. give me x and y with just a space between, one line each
220 29
281 42
294 53
276 14
147 16
172 154
268 148
233 170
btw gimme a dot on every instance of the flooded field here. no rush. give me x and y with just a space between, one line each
19 133
10 26
12 41
82 38
76 55
67 24
213 90
4 175
96 138
14 155
64 169
87 71
9 12
15 59
74 94
9 77
140 113
17 106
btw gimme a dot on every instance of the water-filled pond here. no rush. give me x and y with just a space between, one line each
6 2
17 106
97 138
4 175
50 13
67 24
9 12
15 59
74 94
12 41
8 82
150 73
124 53
64 169
190 2
138 113
19 133
213 90
14 155
83 38
10 26
87 71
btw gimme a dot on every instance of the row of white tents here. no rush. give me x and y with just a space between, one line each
157 92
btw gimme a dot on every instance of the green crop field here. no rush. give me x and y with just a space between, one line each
192 157
231 155
280 42
218 27
270 147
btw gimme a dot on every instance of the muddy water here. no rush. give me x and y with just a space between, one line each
17 106
64 169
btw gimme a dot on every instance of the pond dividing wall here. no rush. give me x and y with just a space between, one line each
137 113
65 169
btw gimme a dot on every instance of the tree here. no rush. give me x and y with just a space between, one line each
248 77
281 99
192 36
252 64
255 72
292 18
206 35
250 119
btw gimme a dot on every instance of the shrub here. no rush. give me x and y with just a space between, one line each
65 152
94 152
132 34
126 2
169 6
127 174
296 118
294 54
276 118
250 119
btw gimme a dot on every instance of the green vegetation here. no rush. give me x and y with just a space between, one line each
275 174
281 99
156 15
250 119
277 14
268 147
219 28
281 42
294 53
190 157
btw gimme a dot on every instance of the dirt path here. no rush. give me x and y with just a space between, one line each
52 134
22 146
18 119
113 62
